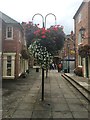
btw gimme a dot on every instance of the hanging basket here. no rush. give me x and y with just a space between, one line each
84 51
25 54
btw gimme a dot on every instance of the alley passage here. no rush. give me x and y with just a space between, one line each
22 98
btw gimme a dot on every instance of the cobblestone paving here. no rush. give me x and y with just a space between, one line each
22 98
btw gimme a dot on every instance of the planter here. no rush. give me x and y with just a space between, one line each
79 71
37 69
25 54
23 75
27 71
84 51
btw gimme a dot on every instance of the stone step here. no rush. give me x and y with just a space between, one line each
79 87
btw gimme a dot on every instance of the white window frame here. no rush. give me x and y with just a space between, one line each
79 17
79 39
10 38
19 36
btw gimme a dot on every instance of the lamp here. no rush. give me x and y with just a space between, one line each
82 31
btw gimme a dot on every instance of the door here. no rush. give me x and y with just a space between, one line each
87 72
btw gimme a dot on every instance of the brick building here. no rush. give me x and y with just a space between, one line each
82 35
13 42
67 54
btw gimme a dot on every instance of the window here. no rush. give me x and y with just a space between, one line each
79 39
8 65
79 17
19 36
9 32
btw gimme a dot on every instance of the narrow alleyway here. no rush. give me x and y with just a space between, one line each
22 98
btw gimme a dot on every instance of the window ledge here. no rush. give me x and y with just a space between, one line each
9 39
80 44
8 77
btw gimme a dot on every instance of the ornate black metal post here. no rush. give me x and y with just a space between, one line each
42 83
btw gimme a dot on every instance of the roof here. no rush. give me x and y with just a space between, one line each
7 19
79 9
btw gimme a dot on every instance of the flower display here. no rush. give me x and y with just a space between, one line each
45 43
51 38
40 53
84 51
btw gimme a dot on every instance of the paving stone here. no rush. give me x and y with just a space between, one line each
80 114
29 100
41 114
42 106
84 101
62 100
62 115
22 114
60 107
77 107
48 95
69 96
33 92
8 113
25 106
56 95
73 100
54 100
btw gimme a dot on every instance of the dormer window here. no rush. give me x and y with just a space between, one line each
9 32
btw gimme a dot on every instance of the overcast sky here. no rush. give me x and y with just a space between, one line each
23 10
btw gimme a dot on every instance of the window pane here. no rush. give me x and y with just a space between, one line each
9 34
8 65
8 58
79 38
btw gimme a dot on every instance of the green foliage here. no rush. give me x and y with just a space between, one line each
84 51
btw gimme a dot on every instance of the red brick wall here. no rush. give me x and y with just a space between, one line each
84 22
19 43
64 53
14 45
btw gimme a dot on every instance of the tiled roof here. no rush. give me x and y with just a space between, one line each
7 19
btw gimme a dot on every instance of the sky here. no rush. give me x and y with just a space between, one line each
24 10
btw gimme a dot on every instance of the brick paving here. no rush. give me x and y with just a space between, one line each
22 98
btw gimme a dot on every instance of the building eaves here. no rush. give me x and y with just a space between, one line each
78 10
9 20
6 18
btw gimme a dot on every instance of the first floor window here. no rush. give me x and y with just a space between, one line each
79 38
9 32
